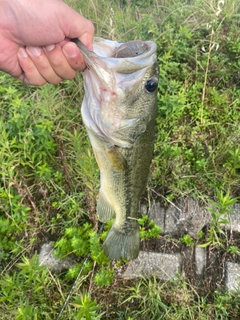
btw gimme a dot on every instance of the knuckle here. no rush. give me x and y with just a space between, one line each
57 59
30 68
66 72
55 81
36 81
70 76
90 27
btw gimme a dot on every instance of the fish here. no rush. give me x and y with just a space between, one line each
119 109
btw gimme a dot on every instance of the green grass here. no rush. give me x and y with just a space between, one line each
49 178
151 299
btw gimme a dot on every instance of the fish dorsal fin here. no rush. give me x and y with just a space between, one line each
104 210
116 159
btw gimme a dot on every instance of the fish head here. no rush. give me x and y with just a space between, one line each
120 84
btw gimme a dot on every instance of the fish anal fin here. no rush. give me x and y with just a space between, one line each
119 244
104 210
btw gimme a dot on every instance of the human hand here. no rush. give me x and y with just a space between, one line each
34 40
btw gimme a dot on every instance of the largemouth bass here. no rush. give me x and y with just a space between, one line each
119 110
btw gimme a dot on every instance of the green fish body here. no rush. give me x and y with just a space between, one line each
119 111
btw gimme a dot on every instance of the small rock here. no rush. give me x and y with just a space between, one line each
232 280
233 218
172 216
143 209
157 214
200 259
47 259
164 266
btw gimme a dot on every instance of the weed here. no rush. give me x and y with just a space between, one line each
219 210
187 240
233 250
148 228
146 294
87 309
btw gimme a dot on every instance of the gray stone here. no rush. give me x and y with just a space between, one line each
233 218
232 279
200 259
183 216
172 217
163 266
46 258
157 214
143 209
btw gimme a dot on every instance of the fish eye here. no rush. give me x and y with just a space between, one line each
151 85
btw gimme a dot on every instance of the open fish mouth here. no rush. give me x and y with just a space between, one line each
135 54
125 50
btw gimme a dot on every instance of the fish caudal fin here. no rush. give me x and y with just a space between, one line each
104 211
119 244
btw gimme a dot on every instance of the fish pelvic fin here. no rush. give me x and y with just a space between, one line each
119 244
104 211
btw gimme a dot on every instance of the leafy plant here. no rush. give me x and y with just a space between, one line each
104 276
87 309
148 228
219 210
33 282
187 240
233 250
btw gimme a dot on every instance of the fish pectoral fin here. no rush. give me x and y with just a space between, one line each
117 160
104 211
130 132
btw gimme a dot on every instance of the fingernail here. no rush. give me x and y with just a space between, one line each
50 47
71 50
35 51
22 53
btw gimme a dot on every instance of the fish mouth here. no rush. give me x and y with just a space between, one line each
117 64
124 58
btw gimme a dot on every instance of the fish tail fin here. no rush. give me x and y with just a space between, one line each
122 244
104 211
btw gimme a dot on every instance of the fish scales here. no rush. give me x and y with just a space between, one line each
119 111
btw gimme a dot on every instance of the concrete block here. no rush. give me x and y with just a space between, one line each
232 279
183 216
163 266
234 219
